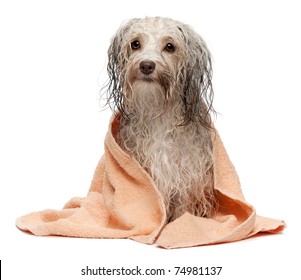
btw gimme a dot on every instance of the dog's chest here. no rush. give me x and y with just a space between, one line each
171 154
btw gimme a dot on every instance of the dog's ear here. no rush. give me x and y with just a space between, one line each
116 60
116 54
197 92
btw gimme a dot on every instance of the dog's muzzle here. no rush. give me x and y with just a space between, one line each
147 67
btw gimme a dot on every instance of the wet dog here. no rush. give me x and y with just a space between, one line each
160 75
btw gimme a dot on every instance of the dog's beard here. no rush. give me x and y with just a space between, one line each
147 98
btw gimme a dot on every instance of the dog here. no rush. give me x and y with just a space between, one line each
160 85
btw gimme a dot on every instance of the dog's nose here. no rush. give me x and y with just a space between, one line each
147 66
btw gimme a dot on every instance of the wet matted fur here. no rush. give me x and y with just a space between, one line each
160 83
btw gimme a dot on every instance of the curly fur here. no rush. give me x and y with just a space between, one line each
165 120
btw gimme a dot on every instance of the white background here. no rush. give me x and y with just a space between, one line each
52 66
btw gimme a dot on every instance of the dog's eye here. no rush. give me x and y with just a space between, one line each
170 47
135 45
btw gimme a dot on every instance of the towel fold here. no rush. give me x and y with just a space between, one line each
123 202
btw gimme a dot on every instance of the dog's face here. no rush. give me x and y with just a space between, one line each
153 53
164 56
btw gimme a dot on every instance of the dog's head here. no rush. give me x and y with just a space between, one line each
165 56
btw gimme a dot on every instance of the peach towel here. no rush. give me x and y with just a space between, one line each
123 202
